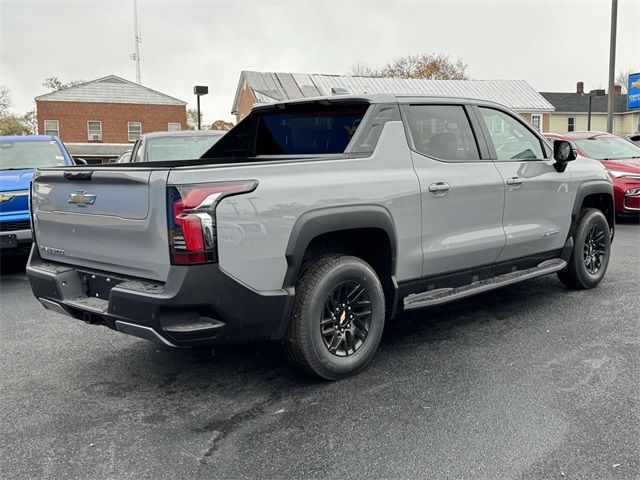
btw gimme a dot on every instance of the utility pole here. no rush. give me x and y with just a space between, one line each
137 41
612 64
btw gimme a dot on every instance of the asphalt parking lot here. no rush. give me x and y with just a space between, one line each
533 381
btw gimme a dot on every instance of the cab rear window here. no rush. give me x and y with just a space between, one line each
297 129
321 130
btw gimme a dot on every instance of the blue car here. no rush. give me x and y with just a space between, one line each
19 158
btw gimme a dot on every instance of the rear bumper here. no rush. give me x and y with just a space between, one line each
198 305
15 241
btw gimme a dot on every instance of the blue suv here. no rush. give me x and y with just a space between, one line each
19 158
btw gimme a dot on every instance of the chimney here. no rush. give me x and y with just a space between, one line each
580 88
617 90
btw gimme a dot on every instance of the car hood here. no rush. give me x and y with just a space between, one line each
631 165
11 180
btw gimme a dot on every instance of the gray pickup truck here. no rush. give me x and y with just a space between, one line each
314 222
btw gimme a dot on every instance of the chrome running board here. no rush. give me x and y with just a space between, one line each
445 295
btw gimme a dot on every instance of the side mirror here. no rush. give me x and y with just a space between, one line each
563 152
79 161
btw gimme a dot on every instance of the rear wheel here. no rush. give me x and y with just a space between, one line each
338 317
590 255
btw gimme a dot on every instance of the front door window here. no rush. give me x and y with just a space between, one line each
512 140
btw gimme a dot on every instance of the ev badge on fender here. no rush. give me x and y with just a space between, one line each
81 198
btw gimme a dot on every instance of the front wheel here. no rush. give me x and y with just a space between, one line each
591 250
338 317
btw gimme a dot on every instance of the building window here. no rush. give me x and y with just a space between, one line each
571 124
51 128
174 127
497 124
536 121
135 130
94 130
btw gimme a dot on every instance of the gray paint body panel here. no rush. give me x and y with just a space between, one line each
254 229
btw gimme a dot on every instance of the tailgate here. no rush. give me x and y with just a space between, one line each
103 218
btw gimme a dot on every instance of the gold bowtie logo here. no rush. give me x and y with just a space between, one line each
4 198
82 198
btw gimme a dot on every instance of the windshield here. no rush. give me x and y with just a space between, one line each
608 148
184 147
30 154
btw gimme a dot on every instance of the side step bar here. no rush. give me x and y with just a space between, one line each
445 295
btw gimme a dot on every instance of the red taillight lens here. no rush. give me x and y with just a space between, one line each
191 217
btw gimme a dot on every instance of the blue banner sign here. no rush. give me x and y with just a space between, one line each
633 92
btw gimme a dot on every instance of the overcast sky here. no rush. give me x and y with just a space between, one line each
551 44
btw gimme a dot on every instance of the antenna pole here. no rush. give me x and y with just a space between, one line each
137 41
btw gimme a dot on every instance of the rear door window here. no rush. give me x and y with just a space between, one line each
442 132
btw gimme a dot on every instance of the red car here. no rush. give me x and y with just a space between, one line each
620 157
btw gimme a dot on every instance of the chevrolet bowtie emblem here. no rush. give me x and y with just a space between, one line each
5 197
82 198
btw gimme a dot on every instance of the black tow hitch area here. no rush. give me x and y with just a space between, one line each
98 286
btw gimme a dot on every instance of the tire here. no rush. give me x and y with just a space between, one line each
587 266
334 344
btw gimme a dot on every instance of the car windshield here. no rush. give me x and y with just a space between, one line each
30 154
183 147
608 148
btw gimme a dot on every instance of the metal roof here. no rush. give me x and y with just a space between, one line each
272 86
571 102
110 89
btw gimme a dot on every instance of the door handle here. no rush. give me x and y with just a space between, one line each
439 188
515 181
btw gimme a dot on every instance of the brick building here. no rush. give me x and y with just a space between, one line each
99 120
259 87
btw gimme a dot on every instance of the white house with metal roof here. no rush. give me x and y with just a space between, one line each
261 87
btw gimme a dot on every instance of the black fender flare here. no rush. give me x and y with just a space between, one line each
592 187
334 219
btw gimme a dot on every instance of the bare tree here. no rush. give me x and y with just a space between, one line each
192 118
622 79
436 66
54 83
361 69
5 101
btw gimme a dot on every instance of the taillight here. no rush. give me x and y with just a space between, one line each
192 219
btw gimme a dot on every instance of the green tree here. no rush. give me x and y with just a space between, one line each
54 83
14 125
435 66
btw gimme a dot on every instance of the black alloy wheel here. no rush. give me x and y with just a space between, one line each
346 319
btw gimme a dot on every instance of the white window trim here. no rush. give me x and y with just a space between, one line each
133 139
89 132
44 126
174 123
537 115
